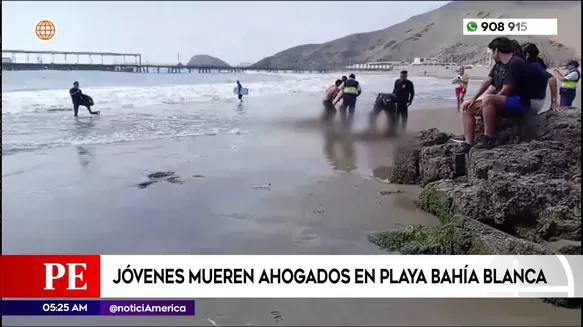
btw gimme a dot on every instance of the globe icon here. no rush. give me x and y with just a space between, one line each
45 30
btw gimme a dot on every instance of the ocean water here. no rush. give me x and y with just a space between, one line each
37 109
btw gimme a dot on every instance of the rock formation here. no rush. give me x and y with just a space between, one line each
207 61
521 197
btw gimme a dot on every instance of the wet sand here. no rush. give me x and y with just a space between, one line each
324 199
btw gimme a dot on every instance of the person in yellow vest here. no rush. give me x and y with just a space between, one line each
461 86
569 82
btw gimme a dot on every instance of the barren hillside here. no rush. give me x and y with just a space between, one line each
438 33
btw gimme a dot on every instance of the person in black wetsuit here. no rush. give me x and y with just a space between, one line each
79 99
384 102
239 87
404 93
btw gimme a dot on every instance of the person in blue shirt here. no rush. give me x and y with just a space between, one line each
512 96
539 78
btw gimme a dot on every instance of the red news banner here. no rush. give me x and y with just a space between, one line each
50 276
69 276
291 276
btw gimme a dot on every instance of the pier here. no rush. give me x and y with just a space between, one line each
129 63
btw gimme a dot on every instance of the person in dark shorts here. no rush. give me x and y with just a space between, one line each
350 92
404 92
384 102
239 87
569 83
80 99
510 78
329 108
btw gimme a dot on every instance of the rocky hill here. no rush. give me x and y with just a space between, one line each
207 61
438 33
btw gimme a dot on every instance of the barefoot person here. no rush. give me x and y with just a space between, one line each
329 108
461 86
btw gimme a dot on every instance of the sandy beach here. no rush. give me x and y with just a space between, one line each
324 198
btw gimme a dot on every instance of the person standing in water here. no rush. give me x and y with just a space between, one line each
350 91
79 99
329 108
404 93
461 86
239 87
343 80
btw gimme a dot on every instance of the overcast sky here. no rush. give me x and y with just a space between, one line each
232 31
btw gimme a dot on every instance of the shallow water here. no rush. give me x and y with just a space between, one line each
83 187
36 107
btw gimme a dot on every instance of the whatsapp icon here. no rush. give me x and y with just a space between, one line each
472 26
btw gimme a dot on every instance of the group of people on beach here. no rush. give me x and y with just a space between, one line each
516 87
395 104
347 90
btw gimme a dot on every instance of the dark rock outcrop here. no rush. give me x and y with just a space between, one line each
521 197
207 61
406 169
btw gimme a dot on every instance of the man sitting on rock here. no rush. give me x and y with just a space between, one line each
512 97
